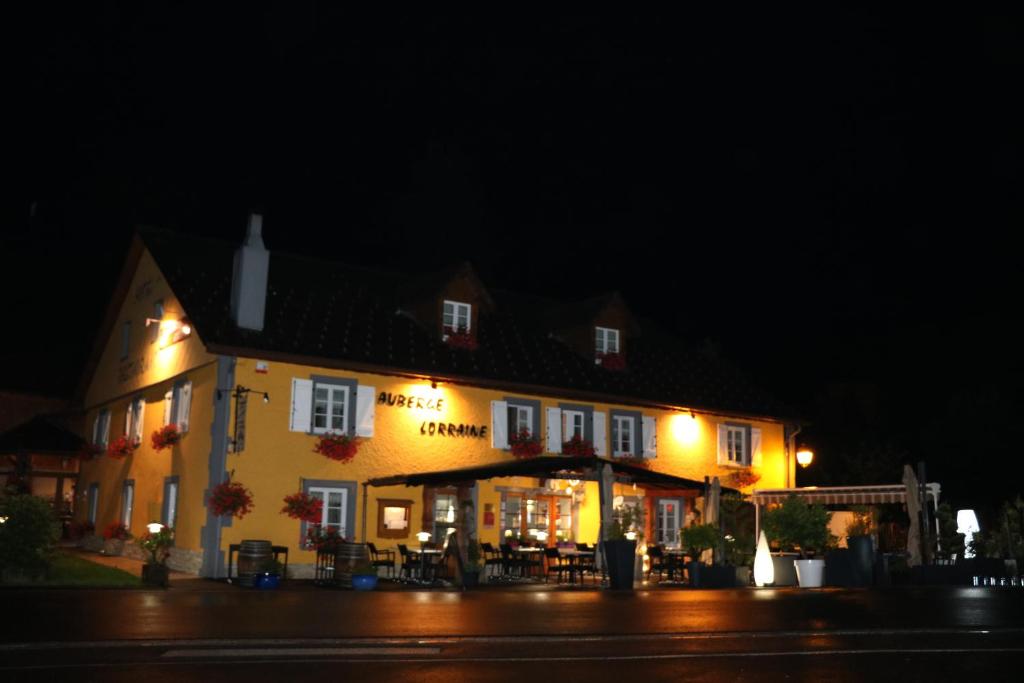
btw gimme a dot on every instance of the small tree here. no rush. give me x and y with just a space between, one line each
697 538
795 525
28 535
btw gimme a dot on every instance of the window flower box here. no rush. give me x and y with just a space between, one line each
632 459
165 437
524 445
578 446
230 499
460 339
121 447
303 507
741 479
611 361
334 446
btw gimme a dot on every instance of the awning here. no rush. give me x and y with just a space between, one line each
547 467
843 495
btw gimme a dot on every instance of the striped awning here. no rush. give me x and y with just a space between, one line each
843 495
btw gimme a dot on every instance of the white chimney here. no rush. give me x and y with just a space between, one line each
249 279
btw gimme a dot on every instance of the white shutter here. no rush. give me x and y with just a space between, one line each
755 446
168 406
600 433
302 405
723 445
138 426
499 424
554 430
650 427
184 406
128 419
96 427
365 407
105 427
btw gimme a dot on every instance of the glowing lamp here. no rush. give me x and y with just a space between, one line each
804 456
508 533
764 570
686 428
154 527
542 536
630 535
967 524
423 536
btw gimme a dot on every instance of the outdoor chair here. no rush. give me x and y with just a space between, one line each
510 564
492 558
588 565
410 562
556 564
659 561
382 558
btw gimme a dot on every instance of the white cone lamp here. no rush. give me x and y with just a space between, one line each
764 570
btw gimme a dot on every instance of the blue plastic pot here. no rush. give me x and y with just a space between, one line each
364 582
268 581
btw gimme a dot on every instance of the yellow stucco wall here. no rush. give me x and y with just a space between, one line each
149 372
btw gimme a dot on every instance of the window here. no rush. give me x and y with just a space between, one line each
126 338
457 317
520 418
445 510
623 431
101 429
666 525
158 315
127 502
330 408
736 445
572 424
178 406
133 421
94 502
524 516
169 515
335 511
393 518
606 340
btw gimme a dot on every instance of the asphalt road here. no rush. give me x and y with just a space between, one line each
926 633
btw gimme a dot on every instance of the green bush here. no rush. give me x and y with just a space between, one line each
697 538
28 535
795 525
950 543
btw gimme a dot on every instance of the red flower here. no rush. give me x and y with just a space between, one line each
341 447
121 447
460 339
323 540
611 361
116 530
165 437
230 498
578 446
743 478
303 506
523 445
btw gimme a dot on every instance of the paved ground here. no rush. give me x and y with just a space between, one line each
200 630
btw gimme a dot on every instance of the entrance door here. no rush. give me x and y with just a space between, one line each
666 526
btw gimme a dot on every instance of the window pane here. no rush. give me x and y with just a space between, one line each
321 393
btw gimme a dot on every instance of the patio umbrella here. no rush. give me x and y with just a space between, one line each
914 512
711 511
606 483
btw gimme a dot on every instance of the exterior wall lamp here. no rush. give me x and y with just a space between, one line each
171 331
805 456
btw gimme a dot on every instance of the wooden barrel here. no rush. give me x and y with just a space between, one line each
349 554
254 558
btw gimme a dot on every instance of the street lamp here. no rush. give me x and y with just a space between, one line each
804 456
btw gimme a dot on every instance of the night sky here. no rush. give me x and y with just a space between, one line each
830 200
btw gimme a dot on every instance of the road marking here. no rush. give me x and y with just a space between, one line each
300 652
526 638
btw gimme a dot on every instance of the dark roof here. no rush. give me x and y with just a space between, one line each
41 434
551 466
327 311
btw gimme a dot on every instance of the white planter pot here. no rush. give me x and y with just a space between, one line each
810 573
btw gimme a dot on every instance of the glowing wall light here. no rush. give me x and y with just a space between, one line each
685 428
805 456
967 524
764 570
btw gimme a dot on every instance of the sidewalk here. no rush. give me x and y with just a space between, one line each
179 580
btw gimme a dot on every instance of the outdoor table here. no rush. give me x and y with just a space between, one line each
525 552
574 557
678 562
423 563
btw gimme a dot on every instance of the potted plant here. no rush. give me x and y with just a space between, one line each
739 554
158 545
303 507
165 437
795 525
577 445
121 447
230 499
460 338
336 446
620 546
364 576
695 539
114 536
739 541
473 565
270 577
859 540
525 445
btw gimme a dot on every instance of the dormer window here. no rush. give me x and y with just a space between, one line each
606 340
457 317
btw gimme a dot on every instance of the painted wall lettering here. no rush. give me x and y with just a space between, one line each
417 402
454 430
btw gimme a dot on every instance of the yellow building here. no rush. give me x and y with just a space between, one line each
257 357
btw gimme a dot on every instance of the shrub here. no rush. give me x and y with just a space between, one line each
795 525
28 534
697 538
862 524
158 545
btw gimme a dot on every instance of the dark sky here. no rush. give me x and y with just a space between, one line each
833 198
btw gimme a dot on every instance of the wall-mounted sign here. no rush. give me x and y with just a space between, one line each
413 402
455 430
262 367
132 368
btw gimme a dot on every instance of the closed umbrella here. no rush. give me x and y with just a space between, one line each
712 512
914 512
